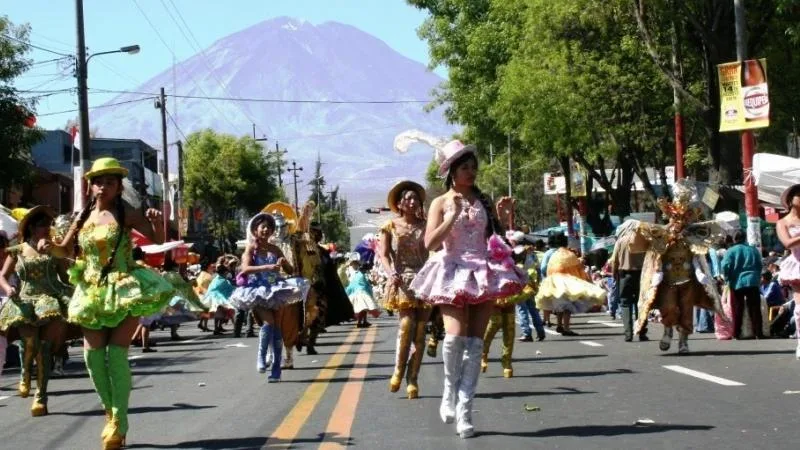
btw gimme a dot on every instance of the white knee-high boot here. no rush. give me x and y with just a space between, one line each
470 372
453 356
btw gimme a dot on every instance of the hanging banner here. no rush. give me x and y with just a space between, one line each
743 95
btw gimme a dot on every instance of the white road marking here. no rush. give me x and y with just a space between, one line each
608 324
554 333
131 358
591 343
4 397
703 376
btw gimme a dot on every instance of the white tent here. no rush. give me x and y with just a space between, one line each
773 174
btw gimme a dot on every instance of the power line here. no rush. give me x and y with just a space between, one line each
274 100
174 122
107 105
11 38
163 41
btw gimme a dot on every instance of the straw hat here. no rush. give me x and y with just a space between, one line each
106 166
394 194
786 197
451 152
33 212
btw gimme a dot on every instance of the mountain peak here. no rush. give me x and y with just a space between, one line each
298 66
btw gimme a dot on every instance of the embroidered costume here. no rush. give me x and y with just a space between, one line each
675 273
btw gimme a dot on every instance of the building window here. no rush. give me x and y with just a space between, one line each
67 153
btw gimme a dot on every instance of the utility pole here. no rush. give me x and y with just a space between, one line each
294 169
83 98
161 104
278 154
680 141
750 191
180 189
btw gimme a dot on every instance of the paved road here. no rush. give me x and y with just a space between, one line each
591 390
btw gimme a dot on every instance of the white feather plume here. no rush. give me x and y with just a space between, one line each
404 141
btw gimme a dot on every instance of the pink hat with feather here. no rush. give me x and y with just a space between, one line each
451 152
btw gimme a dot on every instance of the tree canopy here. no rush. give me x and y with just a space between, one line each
16 132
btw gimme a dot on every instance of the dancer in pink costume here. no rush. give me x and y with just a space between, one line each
788 230
464 276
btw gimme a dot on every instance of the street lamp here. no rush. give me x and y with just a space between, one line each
129 49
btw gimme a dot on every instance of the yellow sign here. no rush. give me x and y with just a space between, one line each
743 95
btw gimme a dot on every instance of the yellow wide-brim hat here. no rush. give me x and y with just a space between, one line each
33 212
286 210
394 194
106 166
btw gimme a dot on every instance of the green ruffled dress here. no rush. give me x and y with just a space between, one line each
41 295
128 290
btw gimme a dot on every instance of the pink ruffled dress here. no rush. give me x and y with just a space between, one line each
465 271
790 266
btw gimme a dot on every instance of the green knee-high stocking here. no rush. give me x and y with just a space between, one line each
95 359
120 374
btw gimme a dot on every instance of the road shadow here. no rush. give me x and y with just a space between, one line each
559 358
600 430
576 374
139 410
347 366
731 353
249 443
339 379
502 395
88 391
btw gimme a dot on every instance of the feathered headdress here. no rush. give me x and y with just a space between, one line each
682 207
446 152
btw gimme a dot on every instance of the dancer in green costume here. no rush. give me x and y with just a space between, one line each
38 308
111 290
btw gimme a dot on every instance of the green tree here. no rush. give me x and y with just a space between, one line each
332 211
226 175
16 138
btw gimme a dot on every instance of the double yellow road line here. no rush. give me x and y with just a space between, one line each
343 415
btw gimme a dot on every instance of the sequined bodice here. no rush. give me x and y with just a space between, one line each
264 277
38 276
409 253
468 234
97 244
794 230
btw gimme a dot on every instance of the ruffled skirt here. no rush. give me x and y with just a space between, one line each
561 292
283 292
215 299
34 311
401 297
790 271
362 301
465 279
139 293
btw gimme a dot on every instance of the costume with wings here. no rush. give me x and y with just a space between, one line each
675 273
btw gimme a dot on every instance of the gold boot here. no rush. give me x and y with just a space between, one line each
108 429
403 348
43 362
488 337
433 346
114 440
416 361
508 343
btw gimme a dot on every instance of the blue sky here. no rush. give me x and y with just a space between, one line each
112 24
